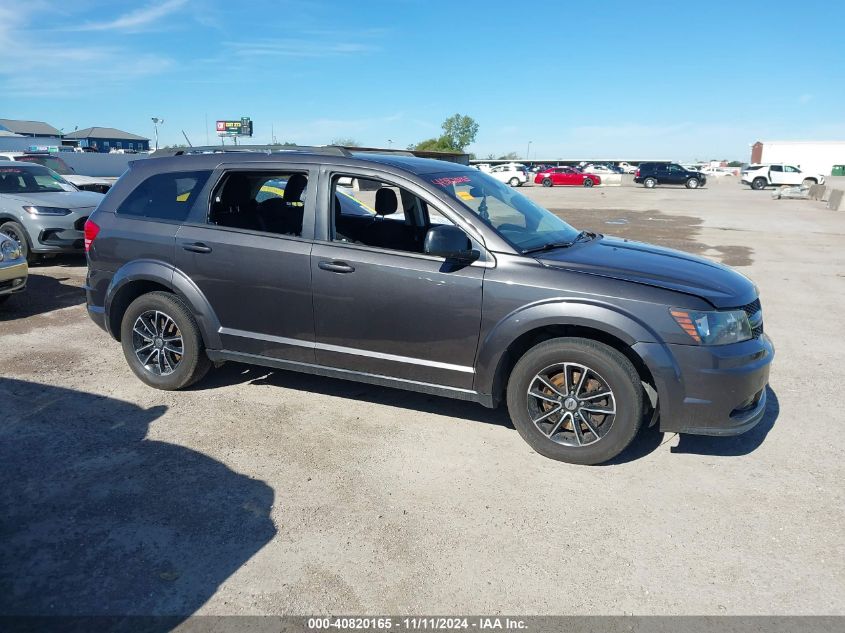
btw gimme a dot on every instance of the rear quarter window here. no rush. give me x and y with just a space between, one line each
167 196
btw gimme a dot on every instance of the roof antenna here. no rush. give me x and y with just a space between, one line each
187 139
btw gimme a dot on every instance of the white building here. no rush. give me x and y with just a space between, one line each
812 156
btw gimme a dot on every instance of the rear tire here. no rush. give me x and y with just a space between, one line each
18 233
692 183
547 182
650 183
606 367
168 370
758 183
514 182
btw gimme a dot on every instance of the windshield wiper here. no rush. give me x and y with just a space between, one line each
583 236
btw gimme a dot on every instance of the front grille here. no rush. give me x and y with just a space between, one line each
79 225
751 309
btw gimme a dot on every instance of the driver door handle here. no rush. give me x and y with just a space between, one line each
196 247
336 267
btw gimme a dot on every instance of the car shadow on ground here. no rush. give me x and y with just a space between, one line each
235 373
99 521
733 446
43 294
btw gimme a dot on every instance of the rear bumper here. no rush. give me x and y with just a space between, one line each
710 390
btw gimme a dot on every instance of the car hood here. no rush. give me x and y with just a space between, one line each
64 199
655 266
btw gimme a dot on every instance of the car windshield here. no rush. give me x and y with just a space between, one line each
31 179
520 221
56 164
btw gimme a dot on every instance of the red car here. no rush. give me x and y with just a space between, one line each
565 176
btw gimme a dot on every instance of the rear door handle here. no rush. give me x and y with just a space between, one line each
337 267
196 247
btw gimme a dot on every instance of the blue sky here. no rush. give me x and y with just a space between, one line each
639 79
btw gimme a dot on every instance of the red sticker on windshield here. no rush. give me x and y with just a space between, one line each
445 182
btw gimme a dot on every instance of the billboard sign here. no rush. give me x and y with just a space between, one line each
242 127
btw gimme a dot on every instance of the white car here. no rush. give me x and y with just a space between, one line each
597 169
97 184
512 174
775 175
627 168
717 172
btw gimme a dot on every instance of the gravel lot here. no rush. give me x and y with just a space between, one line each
263 491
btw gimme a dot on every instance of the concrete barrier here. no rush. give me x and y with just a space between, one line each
817 192
610 180
835 203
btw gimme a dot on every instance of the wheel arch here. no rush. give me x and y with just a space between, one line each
144 276
510 340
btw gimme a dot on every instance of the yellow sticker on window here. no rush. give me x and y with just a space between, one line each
465 195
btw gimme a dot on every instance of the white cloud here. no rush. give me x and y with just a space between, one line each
137 19
35 66
295 47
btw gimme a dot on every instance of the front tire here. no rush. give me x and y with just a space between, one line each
162 342
514 182
650 183
692 183
575 400
18 233
547 182
588 182
758 183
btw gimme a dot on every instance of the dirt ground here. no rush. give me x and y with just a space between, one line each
267 492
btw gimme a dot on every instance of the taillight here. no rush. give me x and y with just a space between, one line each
91 231
638 173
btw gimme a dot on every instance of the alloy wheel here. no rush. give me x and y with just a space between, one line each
157 342
571 404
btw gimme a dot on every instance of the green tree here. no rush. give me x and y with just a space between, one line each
735 163
345 141
460 130
509 156
441 144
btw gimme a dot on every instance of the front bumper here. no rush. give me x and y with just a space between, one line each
57 234
13 276
710 390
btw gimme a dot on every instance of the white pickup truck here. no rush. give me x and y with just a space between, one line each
777 174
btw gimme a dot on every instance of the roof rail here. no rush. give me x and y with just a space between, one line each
332 150
380 150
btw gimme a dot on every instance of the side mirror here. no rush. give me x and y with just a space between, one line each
451 243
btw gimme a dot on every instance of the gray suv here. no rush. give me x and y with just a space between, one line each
422 275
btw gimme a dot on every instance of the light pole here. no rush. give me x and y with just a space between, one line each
528 151
156 123
389 143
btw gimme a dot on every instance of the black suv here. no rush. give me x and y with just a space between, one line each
652 174
422 275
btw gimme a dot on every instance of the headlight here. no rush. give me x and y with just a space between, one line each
46 210
713 328
9 249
